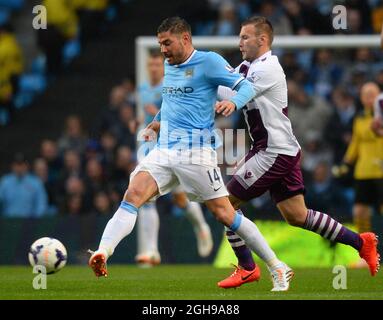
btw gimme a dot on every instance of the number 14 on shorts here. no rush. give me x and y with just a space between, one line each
215 178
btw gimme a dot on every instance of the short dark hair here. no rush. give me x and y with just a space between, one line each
19 158
174 25
262 25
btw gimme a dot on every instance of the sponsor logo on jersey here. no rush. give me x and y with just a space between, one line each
177 90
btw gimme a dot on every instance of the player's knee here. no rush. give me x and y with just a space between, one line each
134 195
222 215
296 219
294 215
180 200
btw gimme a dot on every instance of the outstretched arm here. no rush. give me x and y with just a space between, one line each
245 93
225 93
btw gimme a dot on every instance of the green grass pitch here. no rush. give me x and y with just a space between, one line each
185 282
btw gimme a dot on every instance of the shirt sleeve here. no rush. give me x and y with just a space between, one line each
244 95
262 80
225 93
219 72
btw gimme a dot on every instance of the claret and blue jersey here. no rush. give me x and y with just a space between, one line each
189 94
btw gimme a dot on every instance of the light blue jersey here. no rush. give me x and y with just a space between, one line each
149 94
189 94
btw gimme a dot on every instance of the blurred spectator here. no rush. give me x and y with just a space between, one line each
363 61
102 204
74 204
308 114
366 152
40 169
324 193
93 150
62 25
130 90
305 15
91 15
74 137
11 67
325 73
354 80
110 116
114 195
74 198
94 179
49 152
244 9
291 67
227 24
276 15
124 165
338 130
74 185
125 130
377 17
359 16
354 22
150 92
201 14
72 166
314 152
108 147
22 194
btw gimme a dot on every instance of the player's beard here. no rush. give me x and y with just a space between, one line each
175 58
250 55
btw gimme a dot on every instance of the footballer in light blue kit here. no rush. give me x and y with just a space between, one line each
150 100
182 155
185 154
150 95
189 95
150 92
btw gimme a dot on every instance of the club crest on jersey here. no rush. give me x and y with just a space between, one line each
229 68
189 73
253 77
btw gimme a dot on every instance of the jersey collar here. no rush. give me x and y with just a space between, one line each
263 57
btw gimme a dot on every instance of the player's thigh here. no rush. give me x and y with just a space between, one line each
142 188
256 175
159 170
291 183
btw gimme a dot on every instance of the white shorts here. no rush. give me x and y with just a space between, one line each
195 170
